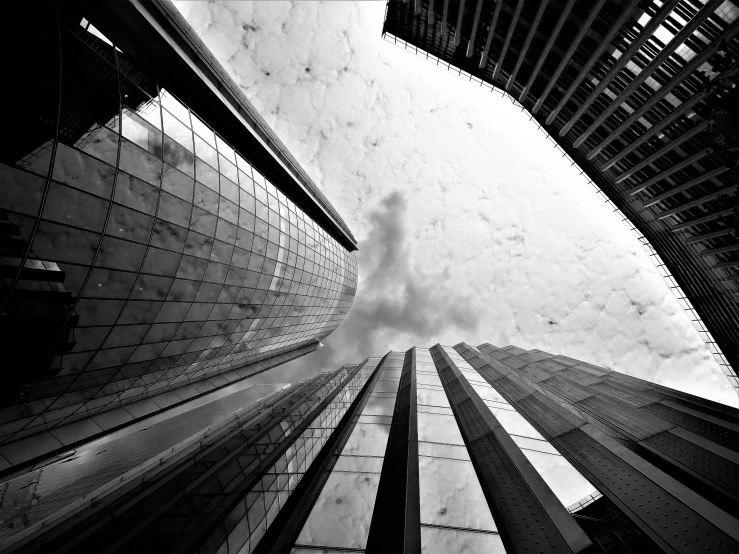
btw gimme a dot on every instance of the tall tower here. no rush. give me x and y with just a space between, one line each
441 449
642 96
158 241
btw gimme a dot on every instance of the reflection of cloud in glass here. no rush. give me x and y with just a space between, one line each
455 540
451 495
564 480
343 512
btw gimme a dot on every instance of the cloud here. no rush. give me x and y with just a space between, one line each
399 304
471 225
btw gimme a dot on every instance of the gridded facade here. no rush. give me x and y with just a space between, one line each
442 449
143 253
642 96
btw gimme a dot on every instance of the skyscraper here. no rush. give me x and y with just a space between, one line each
641 96
442 449
158 241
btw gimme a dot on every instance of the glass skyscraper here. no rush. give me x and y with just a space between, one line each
158 241
441 449
642 96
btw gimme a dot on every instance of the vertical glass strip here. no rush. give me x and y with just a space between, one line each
565 481
395 519
454 512
342 513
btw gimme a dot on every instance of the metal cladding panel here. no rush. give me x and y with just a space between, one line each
671 523
698 425
624 418
580 376
714 470
533 372
566 389
396 517
528 515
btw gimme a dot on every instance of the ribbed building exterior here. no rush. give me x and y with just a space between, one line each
441 449
641 95
157 241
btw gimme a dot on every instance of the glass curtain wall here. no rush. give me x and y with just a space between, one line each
151 254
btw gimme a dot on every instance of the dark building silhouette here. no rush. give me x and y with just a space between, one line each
642 96
442 449
157 241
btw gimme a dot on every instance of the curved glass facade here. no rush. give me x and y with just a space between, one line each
141 252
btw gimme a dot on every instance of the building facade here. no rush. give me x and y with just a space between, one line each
642 96
158 241
441 449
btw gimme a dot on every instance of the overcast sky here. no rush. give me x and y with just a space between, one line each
471 225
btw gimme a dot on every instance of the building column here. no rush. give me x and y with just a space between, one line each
396 519
672 515
528 514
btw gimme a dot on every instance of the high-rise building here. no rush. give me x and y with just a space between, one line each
157 240
442 449
642 96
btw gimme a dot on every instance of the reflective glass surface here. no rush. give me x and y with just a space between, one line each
248 521
342 514
565 481
454 512
160 256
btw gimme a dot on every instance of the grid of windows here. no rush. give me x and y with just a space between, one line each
633 93
179 261
248 521
342 514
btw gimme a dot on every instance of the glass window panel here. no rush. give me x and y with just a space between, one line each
206 174
432 397
227 168
343 512
175 107
379 406
206 199
359 464
136 194
435 539
230 190
206 152
443 450
149 112
451 495
202 129
178 156
140 163
177 183
367 439
438 428
533 444
515 423
73 168
141 133
74 207
564 480
177 130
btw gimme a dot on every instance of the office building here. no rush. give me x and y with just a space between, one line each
441 449
642 96
158 240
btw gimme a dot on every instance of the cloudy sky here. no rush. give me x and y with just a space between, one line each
471 225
